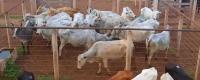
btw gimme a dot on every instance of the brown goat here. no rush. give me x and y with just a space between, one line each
67 10
122 75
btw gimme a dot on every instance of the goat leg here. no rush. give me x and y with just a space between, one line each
105 63
23 47
99 71
166 54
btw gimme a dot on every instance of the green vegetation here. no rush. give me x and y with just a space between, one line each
12 16
190 73
11 70
45 78
20 52
172 51
66 78
51 78
2 25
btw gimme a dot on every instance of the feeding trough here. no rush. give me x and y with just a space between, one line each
6 53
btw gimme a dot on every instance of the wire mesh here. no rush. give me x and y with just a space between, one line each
40 59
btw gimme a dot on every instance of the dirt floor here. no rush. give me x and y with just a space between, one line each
40 59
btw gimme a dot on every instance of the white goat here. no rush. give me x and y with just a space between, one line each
107 22
79 37
155 42
128 14
147 13
79 20
94 11
63 21
166 76
138 35
147 74
43 8
89 18
102 51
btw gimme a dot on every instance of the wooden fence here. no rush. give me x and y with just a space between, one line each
115 7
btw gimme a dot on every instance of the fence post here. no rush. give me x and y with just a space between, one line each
55 55
74 3
7 29
155 4
140 4
146 3
193 13
33 6
180 24
113 5
2 6
197 72
166 15
23 9
129 50
89 3
135 2
118 4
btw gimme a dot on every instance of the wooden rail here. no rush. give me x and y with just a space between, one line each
12 7
180 13
180 25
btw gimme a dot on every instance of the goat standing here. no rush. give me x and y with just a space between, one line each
24 35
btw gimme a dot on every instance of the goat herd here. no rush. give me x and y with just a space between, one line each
100 44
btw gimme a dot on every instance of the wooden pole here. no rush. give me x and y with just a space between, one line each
180 25
113 5
146 3
135 2
180 1
166 15
55 55
140 4
155 4
118 4
2 6
33 6
197 72
23 9
74 3
89 3
7 29
193 12
129 50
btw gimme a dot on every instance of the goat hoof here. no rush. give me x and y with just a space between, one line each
98 73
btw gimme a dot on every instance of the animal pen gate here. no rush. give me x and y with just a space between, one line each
184 42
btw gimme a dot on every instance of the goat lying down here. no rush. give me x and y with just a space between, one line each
166 76
147 74
176 72
122 75
102 51
79 37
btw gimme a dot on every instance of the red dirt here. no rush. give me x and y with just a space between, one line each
40 59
